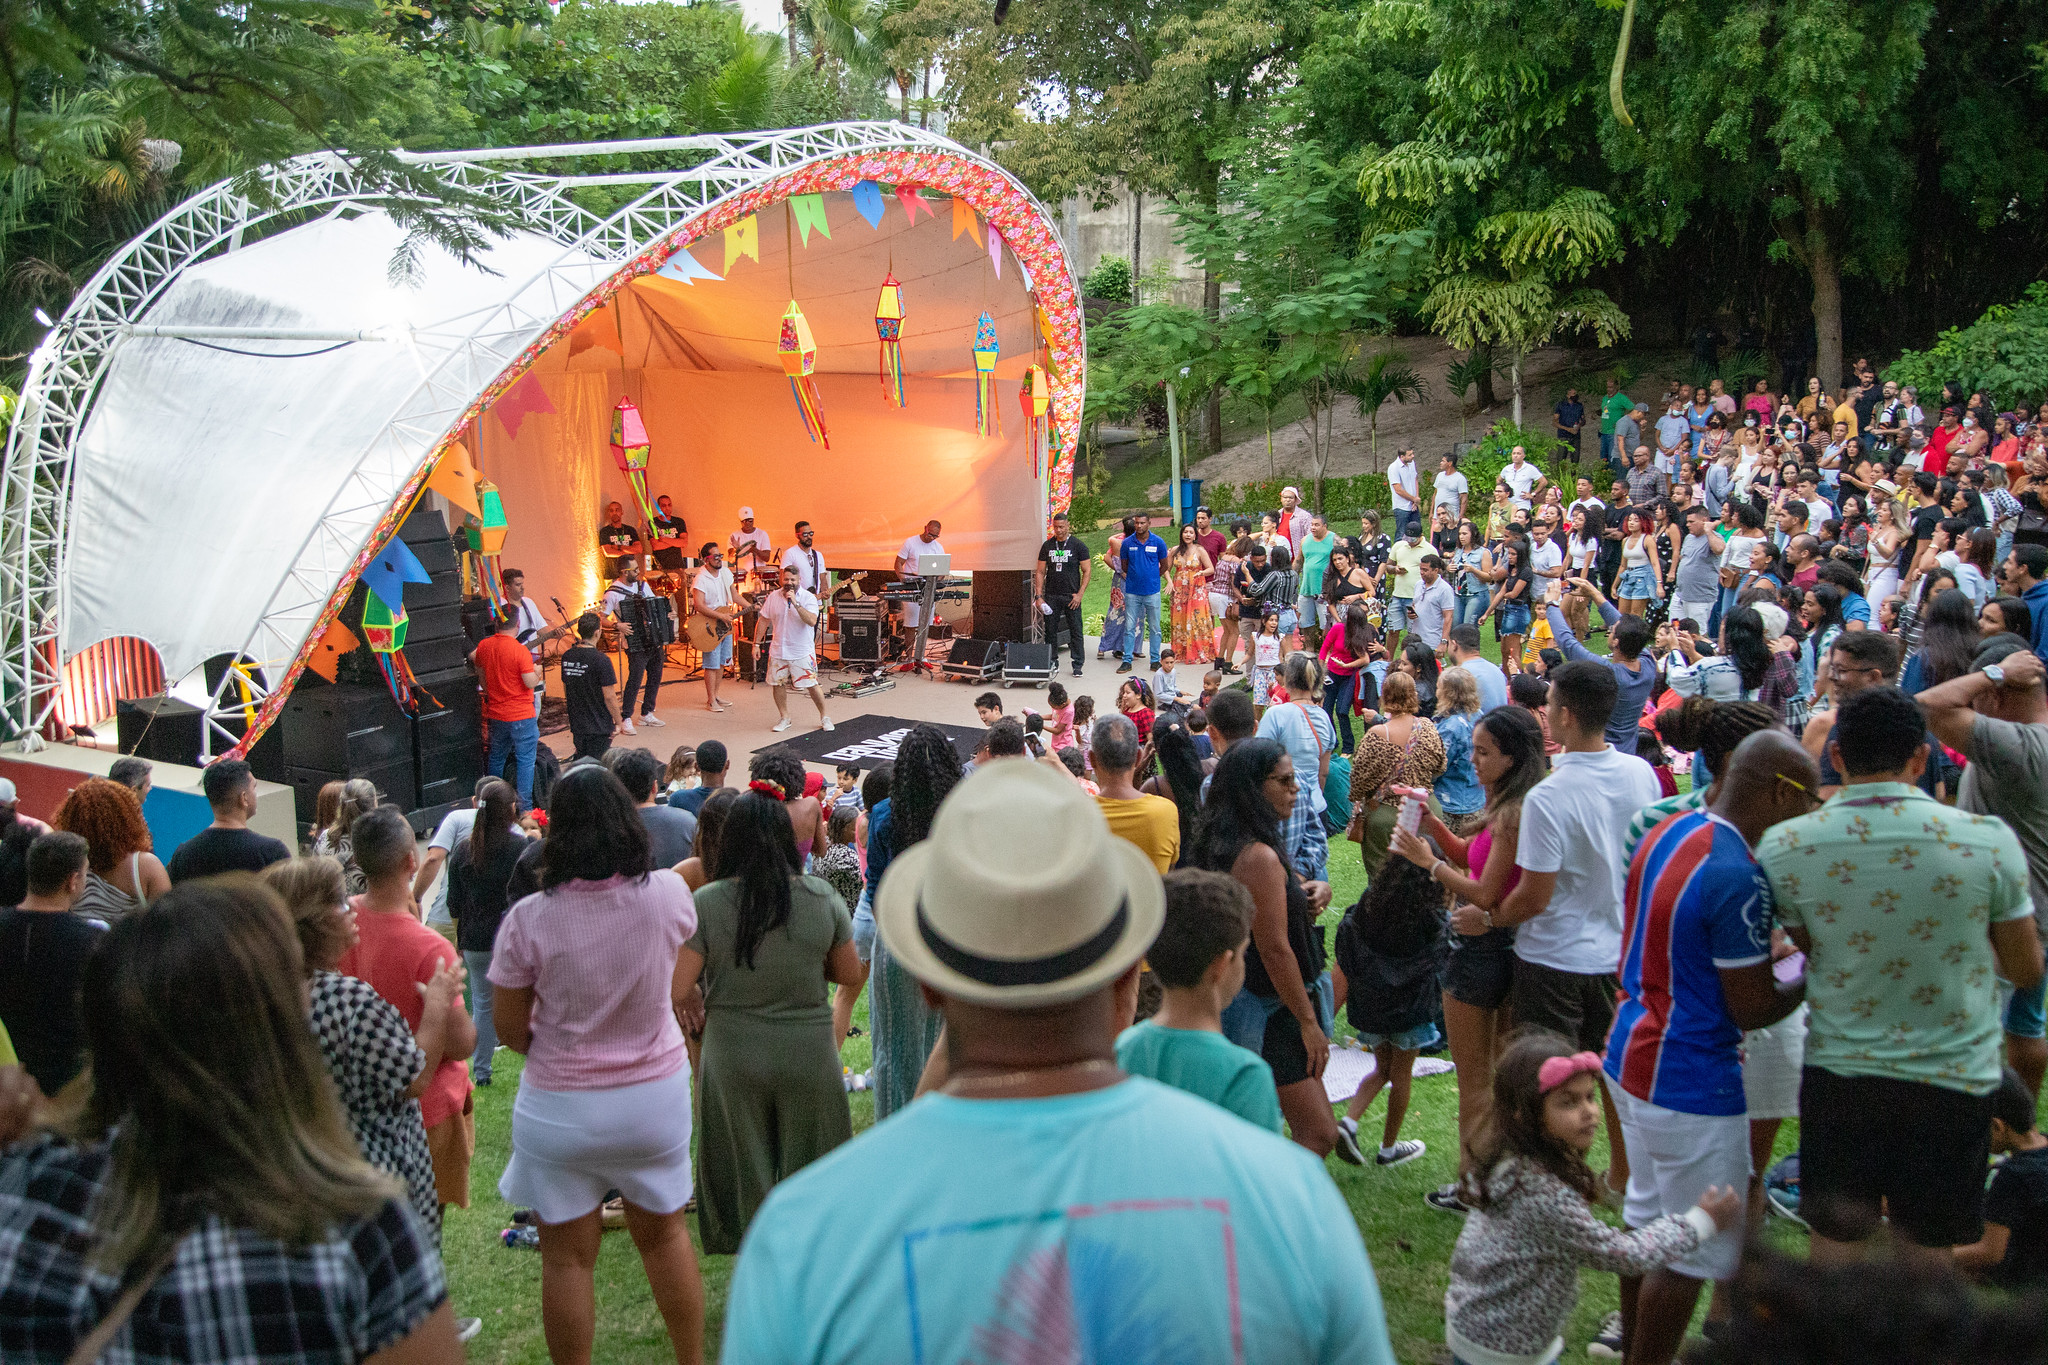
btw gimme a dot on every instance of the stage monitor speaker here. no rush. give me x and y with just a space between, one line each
1028 662
1002 601
976 653
860 642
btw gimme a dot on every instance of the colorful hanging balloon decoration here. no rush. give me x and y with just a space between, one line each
383 627
889 327
629 448
1035 397
987 421
799 357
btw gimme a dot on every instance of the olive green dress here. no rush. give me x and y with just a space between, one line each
772 1097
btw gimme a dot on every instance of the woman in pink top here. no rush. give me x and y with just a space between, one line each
584 980
1508 757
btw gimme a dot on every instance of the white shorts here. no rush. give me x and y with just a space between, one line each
1218 605
570 1146
1772 1059
1698 612
801 674
1672 1159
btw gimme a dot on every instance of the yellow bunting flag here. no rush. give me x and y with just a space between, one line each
810 214
964 219
742 239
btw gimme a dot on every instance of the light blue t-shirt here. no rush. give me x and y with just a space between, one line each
1493 684
1308 734
1133 1224
1203 1064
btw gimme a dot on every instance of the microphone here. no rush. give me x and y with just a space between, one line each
558 607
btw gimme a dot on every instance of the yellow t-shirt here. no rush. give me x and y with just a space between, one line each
1150 823
1406 559
1847 413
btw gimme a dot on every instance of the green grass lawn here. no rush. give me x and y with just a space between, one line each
1410 1243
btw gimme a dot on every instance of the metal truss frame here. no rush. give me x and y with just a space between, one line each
455 361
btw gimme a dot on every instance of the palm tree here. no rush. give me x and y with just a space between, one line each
1475 368
1386 378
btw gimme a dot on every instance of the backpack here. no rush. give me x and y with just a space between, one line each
1392 987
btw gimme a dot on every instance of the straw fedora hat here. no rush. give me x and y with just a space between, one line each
1021 897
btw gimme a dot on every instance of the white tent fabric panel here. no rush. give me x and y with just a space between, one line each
202 476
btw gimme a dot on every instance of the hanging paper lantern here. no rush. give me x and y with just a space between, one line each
630 450
987 421
489 537
799 357
889 327
383 628
1034 396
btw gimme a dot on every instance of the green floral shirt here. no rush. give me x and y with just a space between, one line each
1897 894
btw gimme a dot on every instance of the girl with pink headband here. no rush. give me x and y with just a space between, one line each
1515 1270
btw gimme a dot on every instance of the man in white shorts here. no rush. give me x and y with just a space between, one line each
1695 971
792 614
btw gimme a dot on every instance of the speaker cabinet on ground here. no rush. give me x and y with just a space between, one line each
346 728
393 780
164 729
860 641
974 660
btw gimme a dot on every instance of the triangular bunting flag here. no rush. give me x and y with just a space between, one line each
326 657
524 397
964 219
912 201
599 328
393 567
995 249
867 197
810 214
686 267
742 239
454 478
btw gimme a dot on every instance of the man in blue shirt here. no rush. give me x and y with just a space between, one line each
1695 972
1634 674
1042 1204
2022 575
1144 560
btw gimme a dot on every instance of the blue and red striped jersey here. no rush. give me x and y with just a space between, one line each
1696 902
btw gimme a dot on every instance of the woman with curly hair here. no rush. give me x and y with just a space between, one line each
122 875
905 1031
770 943
785 771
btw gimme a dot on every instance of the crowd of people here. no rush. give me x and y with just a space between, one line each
1104 965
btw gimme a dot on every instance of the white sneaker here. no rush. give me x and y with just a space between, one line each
656 721
779 726
468 1329
825 723
626 727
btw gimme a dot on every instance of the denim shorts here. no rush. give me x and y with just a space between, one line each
1312 612
1635 583
720 656
1514 618
1397 612
2024 1017
1407 1040
1261 1024
864 929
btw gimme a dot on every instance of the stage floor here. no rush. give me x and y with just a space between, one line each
744 726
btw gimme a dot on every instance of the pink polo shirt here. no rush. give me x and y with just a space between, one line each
600 957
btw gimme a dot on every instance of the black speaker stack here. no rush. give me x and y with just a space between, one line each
1002 605
425 764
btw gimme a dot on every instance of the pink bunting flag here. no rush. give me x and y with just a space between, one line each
524 397
912 201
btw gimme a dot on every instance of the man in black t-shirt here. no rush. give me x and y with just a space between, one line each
1927 515
667 526
1058 579
228 844
1571 420
590 688
617 541
43 948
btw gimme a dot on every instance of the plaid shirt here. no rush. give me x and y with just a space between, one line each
228 1296
1646 486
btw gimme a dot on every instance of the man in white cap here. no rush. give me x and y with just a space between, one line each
1043 1194
747 549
